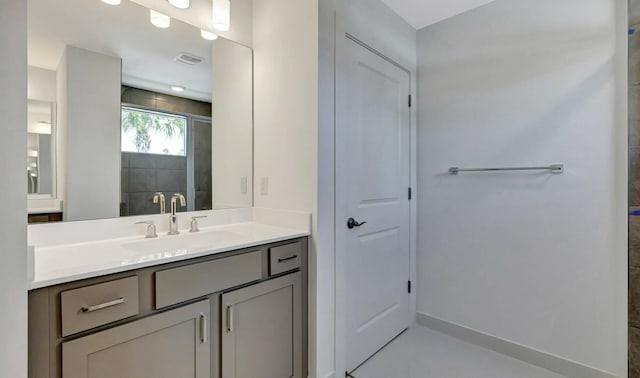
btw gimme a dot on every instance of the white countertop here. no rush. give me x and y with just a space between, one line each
44 210
65 263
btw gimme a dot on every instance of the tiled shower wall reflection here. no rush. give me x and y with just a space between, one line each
634 189
145 174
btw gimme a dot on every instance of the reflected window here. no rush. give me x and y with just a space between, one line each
151 132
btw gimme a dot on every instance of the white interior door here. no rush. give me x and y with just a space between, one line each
372 183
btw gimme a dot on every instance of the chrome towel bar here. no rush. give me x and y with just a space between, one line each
553 168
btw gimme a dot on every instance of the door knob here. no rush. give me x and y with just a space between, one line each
351 223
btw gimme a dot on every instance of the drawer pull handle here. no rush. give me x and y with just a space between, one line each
229 319
102 305
203 328
287 258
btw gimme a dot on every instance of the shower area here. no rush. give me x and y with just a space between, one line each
634 189
180 161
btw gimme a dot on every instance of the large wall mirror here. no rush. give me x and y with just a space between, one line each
125 110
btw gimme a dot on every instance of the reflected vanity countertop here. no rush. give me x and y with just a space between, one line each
44 210
72 262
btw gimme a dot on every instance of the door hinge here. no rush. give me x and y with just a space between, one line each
409 287
409 100
409 194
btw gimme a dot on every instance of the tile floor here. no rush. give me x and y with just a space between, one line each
423 353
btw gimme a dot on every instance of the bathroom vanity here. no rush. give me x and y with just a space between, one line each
224 312
108 299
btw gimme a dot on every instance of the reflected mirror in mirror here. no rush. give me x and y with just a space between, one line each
40 153
141 112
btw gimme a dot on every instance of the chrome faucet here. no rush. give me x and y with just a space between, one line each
173 218
159 197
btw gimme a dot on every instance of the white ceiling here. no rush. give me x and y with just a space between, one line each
147 52
421 13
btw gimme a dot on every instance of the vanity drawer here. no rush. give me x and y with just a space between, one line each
96 305
193 281
285 258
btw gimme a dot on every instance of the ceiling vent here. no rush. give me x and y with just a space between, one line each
187 58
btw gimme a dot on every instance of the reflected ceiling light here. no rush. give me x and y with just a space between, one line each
41 127
182 4
177 88
32 165
111 2
209 36
33 153
33 174
221 14
159 20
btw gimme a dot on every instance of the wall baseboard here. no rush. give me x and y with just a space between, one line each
524 353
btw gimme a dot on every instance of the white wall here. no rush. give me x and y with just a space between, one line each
89 131
285 42
41 84
532 258
285 82
232 124
13 227
379 27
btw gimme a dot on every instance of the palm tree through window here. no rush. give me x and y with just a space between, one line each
153 132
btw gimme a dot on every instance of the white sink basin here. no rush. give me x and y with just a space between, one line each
185 242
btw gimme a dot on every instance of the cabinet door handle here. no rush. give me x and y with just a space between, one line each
229 318
288 258
203 328
102 305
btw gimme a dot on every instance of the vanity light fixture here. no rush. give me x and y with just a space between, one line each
177 88
209 36
41 127
159 20
182 4
112 2
221 14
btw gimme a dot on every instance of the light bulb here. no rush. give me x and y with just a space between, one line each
221 15
209 36
159 20
182 4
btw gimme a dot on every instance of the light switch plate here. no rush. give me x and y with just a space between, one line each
243 185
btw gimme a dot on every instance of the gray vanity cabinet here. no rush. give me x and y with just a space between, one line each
262 330
171 344
237 314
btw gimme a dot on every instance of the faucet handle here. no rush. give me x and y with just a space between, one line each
151 229
194 223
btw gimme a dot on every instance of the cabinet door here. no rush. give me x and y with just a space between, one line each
168 345
262 330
